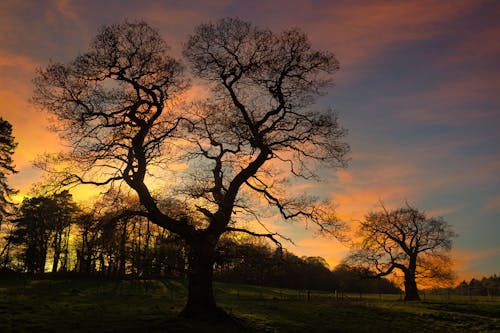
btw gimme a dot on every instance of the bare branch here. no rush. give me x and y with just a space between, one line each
271 236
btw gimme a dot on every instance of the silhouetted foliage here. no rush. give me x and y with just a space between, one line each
7 146
116 105
106 242
486 286
259 264
114 243
43 225
358 280
407 240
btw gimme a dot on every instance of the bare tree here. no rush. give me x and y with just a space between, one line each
113 102
407 240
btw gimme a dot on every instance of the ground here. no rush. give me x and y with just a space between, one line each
76 305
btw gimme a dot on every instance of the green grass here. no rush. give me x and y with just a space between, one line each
152 306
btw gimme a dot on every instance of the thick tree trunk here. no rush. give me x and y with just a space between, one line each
411 291
201 301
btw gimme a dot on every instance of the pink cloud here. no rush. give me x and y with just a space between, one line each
474 45
359 32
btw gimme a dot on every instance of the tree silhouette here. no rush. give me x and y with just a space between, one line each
7 146
407 240
116 105
42 225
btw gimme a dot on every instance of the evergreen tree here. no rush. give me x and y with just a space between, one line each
7 146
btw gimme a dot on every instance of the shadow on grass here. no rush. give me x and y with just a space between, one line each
153 306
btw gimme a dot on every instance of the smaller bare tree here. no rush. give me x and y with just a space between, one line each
407 240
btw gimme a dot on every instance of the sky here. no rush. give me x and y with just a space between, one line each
418 90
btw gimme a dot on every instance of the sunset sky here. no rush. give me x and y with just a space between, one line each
418 90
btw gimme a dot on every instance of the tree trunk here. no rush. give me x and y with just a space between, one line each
42 260
122 252
55 262
201 301
411 291
57 251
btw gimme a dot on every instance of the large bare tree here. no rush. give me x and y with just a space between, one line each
116 105
405 240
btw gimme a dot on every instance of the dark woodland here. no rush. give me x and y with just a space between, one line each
104 244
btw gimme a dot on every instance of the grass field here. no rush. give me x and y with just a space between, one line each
152 306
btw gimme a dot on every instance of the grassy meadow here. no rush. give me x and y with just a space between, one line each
72 305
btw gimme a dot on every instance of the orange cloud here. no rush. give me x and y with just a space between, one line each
390 180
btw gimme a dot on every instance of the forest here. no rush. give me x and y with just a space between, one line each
54 234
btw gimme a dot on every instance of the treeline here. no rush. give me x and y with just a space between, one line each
52 233
260 264
487 286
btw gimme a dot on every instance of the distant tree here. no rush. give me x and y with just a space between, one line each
407 240
7 146
168 256
492 285
64 211
42 225
256 262
252 262
359 280
112 241
86 235
115 102
486 286
32 233
245 261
